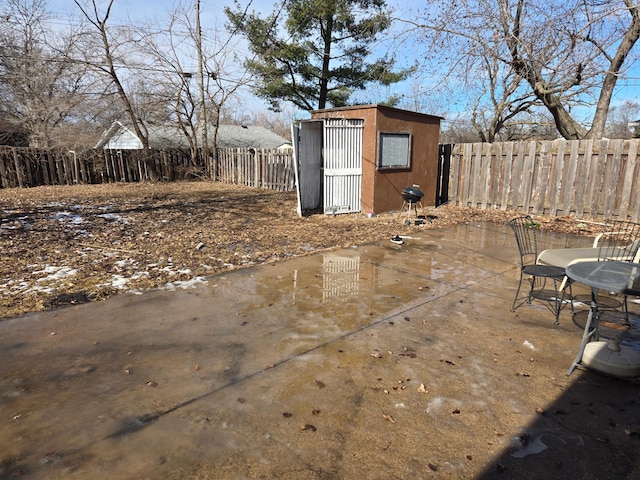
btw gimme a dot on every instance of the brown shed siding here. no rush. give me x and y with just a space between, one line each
381 189
425 131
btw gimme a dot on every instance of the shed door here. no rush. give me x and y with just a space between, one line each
342 161
307 147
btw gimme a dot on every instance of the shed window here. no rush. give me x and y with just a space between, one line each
395 150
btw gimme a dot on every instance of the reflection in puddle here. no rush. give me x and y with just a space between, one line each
340 276
351 276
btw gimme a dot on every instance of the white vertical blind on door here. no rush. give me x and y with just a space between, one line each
342 164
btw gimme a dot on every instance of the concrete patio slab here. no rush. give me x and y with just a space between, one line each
377 362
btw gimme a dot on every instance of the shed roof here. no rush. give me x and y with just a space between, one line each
375 106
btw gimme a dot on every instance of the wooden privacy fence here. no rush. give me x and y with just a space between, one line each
30 167
271 169
585 178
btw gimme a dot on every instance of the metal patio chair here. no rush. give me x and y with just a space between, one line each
620 241
545 281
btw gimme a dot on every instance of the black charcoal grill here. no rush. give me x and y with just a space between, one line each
412 197
412 194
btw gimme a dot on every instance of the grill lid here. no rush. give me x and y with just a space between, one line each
416 192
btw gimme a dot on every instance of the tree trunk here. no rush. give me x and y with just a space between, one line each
606 93
324 80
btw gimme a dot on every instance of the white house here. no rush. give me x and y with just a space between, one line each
123 137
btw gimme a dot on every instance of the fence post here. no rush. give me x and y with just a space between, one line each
18 170
3 173
444 168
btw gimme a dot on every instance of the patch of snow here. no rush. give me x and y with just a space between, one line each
68 216
123 263
49 278
55 273
531 448
171 286
13 287
119 282
113 217
15 224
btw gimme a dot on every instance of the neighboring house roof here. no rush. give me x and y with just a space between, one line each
249 136
634 127
123 137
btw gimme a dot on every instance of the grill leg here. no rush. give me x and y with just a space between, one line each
404 204
410 208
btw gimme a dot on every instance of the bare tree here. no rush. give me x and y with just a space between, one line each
500 99
620 116
489 92
184 87
236 113
530 125
40 86
108 50
458 130
569 53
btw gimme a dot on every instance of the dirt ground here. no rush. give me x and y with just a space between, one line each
75 244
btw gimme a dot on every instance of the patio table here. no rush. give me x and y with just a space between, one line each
611 276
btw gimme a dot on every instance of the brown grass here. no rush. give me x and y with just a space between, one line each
74 244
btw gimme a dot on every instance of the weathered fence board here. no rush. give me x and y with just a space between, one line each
28 167
507 162
585 178
270 169
631 171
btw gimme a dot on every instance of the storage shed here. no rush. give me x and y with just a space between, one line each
360 158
